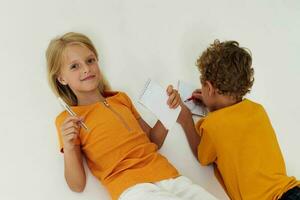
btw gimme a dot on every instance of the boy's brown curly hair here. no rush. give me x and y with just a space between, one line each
227 67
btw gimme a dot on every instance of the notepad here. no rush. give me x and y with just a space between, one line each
154 97
185 90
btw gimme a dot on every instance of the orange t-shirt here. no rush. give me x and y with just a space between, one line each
241 143
117 150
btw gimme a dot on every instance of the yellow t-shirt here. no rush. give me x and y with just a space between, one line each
117 150
241 143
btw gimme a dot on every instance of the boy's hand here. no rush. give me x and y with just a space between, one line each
174 97
197 95
70 131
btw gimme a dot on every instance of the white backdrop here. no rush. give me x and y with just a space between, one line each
136 39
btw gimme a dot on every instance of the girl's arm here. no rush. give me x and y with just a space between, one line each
157 134
74 169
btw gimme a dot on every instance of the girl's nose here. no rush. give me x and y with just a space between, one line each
86 68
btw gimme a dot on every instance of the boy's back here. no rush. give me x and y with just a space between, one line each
237 135
240 140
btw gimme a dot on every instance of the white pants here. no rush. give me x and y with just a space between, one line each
180 188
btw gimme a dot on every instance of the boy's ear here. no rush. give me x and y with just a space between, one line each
61 80
211 89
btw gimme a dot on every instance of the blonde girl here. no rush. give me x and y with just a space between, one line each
120 147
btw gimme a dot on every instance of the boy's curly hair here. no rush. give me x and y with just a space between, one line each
228 67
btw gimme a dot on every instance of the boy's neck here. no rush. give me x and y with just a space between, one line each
89 98
223 101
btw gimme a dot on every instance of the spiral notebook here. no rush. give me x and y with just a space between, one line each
154 98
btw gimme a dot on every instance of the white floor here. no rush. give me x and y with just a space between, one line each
136 40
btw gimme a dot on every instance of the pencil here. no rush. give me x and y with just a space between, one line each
189 99
71 112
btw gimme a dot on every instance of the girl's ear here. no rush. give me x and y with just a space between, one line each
61 80
211 89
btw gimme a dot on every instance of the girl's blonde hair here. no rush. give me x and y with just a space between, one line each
54 56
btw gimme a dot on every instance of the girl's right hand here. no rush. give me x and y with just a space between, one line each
70 131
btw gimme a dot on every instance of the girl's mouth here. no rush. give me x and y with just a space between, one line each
88 78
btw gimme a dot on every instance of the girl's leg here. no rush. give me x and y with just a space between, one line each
147 191
184 189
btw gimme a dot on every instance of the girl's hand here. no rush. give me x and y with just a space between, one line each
184 114
70 131
174 97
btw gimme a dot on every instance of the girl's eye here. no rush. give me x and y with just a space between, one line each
73 66
91 60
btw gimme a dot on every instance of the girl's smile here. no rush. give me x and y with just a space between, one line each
90 77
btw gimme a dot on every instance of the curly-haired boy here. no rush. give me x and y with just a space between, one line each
236 136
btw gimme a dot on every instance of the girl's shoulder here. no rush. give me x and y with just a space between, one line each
113 94
61 117
119 96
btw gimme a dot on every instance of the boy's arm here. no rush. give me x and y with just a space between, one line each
157 134
186 121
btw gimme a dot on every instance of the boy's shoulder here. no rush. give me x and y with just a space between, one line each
234 119
244 106
248 104
236 112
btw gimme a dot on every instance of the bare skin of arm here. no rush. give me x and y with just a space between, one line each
158 133
186 121
74 169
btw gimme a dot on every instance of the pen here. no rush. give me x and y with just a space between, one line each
189 99
71 112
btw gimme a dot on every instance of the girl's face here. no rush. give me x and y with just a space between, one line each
80 70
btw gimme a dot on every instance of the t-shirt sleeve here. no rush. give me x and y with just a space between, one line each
58 122
130 105
206 150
